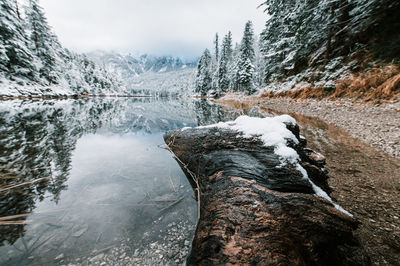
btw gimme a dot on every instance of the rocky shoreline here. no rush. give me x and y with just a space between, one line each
375 125
365 179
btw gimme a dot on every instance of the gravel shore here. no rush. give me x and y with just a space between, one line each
375 125
361 145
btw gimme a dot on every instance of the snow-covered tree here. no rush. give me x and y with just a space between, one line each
245 67
303 34
32 58
204 74
16 58
278 38
215 64
44 43
233 67
259 65
216 48
224 63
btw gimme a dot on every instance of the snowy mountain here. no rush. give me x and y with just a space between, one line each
129 65
147 74
34 63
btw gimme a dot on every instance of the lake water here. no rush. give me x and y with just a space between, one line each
90 176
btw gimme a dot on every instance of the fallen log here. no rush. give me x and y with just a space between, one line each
263 197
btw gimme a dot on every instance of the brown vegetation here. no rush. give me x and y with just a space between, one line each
374 84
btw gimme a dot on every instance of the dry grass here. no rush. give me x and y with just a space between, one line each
375 84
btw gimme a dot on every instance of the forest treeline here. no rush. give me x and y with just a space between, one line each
305 42
32 60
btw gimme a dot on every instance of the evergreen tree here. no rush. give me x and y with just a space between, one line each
215 66
32 57
225 62
216 47
259 64
44 43
276 38
245 67
303 34
16 59
233 68
228 45
204 75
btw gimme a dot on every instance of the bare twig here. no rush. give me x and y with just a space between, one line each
172 184
171 205
164 200
194 177
33 248
102 250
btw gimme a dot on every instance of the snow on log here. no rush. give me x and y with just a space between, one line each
264 197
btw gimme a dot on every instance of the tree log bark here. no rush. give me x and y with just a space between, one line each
254 211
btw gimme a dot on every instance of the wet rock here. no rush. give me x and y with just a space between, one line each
254 211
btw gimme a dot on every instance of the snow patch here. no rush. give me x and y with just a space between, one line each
272 131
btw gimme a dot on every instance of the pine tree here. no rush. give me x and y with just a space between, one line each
303 34
228 45
233 67
215 66
245 68
204 75
259 64
216 48
277 38
44 43
16 59
225 61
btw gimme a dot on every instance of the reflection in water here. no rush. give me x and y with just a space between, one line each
90 172
36 143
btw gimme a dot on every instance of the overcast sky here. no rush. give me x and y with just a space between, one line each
162 27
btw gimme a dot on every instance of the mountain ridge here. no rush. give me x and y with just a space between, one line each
127 65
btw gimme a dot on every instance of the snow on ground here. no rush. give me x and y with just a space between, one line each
326 78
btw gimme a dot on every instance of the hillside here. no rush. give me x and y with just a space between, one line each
34 63
330 48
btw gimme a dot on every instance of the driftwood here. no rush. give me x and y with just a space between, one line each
255 212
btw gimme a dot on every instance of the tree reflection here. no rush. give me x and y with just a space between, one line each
208 113
36 144
38 138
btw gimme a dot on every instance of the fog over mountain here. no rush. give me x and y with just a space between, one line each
128 65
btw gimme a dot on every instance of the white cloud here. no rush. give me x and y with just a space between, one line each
176 27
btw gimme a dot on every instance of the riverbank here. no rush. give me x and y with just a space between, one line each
375 125
365 179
